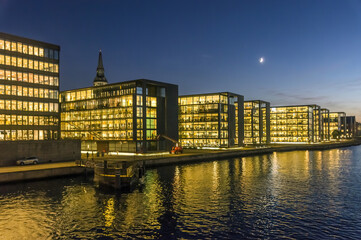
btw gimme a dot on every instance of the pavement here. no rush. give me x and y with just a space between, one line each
36 167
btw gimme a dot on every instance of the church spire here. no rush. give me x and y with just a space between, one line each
100 79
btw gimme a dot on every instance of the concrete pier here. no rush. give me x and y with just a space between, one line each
51 170
41 171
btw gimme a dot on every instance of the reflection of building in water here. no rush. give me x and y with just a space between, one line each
29 88
210 120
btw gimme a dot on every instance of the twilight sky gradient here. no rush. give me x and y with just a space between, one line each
312 49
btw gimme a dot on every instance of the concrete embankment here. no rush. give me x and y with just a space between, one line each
41 171
245 152
62 169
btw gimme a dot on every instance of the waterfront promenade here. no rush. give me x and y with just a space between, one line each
48 170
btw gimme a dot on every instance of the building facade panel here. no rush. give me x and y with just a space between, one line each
256 122
292 124
337 123
209 120
121 117
29 89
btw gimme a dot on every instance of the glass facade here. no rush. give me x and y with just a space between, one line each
256 122
123 117
350 126
292 124
208 120
29 89
325 124
337 122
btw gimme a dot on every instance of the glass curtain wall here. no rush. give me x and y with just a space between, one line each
292 124
29 89
207 120
256 122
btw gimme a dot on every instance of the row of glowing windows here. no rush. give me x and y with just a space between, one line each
16 105
204 126
291 109
99 125
107 135
19 120
104 135
124 101
28 49
28 77
150 112
203 99
203 117
78 95
13 135
290 134
109 124
201 108
97 114
289 139
28 63
204 142
13 90
203 134
97 104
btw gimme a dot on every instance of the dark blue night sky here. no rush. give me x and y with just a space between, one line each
312 49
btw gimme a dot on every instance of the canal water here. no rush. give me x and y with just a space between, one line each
292 195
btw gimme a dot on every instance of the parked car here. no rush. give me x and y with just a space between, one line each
28 160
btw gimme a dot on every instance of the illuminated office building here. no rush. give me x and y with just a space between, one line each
29 89
256 122
209 120
338 122
351 127
317 124
120 117
325 113
294 123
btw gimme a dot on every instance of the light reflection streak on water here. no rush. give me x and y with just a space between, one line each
304 194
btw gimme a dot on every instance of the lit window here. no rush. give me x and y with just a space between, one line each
7 45
2 44
25 49
20 47
36 51
13 46
13 61
31 50
31 64
20 62
41 52
2 59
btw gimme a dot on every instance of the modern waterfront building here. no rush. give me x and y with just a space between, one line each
209 120
120 117
325 113
337 122
298 123
29 89
256 122
351 128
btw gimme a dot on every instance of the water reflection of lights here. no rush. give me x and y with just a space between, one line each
109 212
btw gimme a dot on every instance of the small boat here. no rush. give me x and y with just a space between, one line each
120 175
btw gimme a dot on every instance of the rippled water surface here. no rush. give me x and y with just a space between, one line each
294 195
